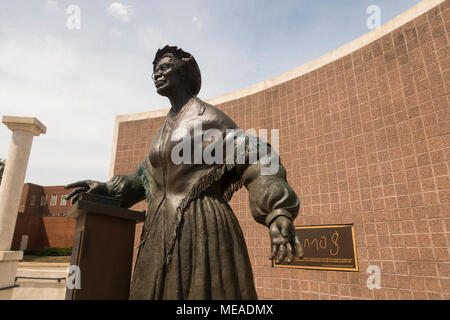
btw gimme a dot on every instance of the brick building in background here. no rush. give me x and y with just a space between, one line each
365 139
41 220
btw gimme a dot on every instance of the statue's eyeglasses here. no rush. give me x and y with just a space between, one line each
163 68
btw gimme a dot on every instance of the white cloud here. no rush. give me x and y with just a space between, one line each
115 33
197 22
120 11
36 59
53 4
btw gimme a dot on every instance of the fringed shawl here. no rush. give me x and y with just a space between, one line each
244 144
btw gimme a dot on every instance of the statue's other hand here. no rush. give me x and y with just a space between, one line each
85 186
285 242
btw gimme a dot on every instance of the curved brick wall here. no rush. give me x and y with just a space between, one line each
365 140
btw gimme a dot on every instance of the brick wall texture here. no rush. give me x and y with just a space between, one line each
365 140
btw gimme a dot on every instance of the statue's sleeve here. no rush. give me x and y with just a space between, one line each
264 176
129 188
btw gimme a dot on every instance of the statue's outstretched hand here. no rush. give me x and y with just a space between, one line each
86 186
285 242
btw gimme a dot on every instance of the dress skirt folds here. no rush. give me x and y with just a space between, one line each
209 258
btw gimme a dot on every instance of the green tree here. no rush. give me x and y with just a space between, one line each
2 168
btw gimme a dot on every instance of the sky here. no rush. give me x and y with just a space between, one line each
76 75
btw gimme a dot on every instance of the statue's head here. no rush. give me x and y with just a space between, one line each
175 69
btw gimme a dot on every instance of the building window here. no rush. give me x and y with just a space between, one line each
53 200
43 200
33 200
63 201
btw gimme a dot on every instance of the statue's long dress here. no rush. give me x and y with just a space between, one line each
192 246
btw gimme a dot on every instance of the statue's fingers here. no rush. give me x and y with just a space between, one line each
281 253
82 184
285 229
75 199
274 251
290 252
298 248
75 192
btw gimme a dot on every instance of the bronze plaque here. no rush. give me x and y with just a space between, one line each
328 247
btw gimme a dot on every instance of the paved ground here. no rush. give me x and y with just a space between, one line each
40 289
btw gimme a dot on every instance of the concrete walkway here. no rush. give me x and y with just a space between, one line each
40 289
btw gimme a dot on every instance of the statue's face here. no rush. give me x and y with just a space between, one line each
166 77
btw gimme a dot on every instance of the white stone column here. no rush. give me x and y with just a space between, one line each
24 129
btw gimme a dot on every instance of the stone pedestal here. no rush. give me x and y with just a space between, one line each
24 129
8 268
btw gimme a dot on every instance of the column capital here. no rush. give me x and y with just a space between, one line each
29 124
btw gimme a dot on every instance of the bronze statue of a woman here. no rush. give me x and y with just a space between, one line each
192 246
